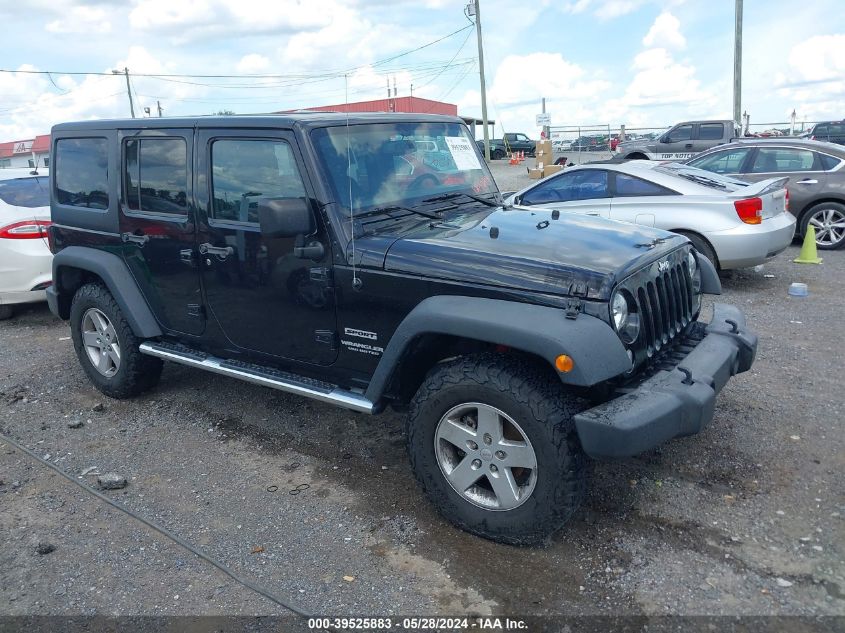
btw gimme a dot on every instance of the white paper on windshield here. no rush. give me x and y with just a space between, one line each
463 153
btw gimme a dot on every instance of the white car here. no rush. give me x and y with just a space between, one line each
25 258
733 223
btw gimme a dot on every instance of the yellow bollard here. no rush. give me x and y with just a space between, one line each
808 254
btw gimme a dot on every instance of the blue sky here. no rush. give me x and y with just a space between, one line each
637 62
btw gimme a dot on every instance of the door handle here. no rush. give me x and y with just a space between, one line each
139 239
688 145
221 251
808 181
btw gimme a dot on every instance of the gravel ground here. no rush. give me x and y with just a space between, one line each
744 519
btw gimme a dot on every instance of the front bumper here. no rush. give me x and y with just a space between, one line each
671 403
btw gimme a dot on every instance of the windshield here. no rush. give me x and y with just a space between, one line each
386 164
25 192
702 177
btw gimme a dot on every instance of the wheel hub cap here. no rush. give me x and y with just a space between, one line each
485 456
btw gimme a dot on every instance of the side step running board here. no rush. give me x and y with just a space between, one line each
260 375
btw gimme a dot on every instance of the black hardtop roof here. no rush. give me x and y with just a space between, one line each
308 119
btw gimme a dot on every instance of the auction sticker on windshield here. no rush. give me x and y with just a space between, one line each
462 152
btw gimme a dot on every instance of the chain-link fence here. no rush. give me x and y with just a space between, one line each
585 143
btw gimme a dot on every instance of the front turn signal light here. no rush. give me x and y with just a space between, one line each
564 363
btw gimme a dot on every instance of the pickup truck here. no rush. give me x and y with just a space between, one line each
681 141
512 142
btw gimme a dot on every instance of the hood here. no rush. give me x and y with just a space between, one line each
541 251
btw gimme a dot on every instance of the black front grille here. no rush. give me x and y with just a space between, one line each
665 304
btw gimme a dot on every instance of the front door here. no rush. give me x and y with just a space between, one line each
267 295
157 224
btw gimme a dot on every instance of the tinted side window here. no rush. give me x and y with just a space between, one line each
682 133
772 159
156 175
632 186
582 185
711 131
25 192
828 162
244 171
82 172
724 162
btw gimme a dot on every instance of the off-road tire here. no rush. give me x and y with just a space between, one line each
497 154
137 372
702 246
6 312
544 410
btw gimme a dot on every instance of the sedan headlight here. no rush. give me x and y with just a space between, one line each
624 315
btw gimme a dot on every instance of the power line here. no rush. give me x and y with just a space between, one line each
332 73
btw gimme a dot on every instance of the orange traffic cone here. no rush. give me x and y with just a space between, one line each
808 254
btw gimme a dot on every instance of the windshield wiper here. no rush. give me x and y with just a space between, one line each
703 180
457 194
394 207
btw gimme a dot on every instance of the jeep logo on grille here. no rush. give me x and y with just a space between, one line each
663 266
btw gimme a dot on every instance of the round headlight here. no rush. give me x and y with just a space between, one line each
625 317
619 310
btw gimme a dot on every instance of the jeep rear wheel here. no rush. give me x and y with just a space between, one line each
493 445
106 346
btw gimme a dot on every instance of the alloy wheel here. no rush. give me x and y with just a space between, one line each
100 341
485 456
829 225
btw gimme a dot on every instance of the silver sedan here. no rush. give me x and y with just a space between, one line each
733 223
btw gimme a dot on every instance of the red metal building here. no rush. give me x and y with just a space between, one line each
394 104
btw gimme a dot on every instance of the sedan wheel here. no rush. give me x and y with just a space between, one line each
101 343
828 220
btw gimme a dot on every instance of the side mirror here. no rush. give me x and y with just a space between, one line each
666 139
286 217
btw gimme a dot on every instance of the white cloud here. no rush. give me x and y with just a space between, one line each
82 19
666 31
253 64
194 19
815 80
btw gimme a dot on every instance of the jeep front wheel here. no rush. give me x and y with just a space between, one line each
493 445
107 347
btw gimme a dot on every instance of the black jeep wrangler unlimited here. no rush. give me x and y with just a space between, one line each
366 261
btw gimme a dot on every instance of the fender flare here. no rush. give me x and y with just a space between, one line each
117 278
540 330
710 283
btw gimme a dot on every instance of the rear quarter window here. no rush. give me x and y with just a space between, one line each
25 192
81 172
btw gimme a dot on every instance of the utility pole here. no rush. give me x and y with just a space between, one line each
158 105
546 130
128 88
475 7
738 62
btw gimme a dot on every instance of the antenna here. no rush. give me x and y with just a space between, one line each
356 283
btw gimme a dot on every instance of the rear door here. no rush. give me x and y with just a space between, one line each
157 223
807 178
269 295
708 135
578 191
